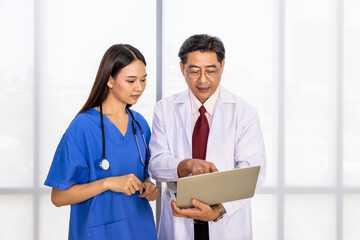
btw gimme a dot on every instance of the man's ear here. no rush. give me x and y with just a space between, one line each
222 66
182 68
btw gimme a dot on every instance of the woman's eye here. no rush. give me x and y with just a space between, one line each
143 80
130 81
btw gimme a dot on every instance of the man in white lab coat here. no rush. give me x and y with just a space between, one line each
235 141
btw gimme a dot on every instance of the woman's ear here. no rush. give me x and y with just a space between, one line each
110 82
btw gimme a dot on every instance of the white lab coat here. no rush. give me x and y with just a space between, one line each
235 141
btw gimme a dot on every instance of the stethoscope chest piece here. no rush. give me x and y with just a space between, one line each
104 164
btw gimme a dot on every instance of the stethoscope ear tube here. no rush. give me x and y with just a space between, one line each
136 139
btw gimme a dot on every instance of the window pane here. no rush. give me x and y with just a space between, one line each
16 217
73 48
16 93
249 56
58 227
351 217
310 217
351 93
307 96
264 209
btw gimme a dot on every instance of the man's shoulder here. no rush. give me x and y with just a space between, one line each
240 103
227 96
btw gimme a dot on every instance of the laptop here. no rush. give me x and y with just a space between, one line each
214 188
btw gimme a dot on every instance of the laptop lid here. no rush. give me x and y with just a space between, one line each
217 187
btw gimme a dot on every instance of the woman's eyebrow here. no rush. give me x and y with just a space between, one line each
130 76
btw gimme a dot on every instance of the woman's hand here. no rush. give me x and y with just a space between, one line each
127 184
151 191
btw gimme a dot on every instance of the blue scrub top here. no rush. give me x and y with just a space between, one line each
109 215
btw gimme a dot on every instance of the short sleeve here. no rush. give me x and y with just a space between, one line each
69 165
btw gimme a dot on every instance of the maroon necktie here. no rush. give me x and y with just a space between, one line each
199 143
200 135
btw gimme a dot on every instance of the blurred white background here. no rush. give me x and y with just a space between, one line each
296 61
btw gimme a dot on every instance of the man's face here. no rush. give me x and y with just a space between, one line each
202 73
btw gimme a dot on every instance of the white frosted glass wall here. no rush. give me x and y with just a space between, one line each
54 221
264 217
16 94
351 93
351 217
310 217
16 221
307 99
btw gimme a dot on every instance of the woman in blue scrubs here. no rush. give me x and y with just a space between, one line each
109 198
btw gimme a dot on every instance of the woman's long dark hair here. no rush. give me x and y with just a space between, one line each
115 58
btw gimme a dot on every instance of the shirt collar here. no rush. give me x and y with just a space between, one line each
209 103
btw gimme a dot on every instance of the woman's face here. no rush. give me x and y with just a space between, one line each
129 84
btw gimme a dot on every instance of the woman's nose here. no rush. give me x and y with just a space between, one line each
138 86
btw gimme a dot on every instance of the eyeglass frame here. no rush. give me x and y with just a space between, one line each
200 73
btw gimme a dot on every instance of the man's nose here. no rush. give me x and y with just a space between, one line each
202 77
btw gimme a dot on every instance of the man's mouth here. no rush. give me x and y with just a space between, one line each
203 89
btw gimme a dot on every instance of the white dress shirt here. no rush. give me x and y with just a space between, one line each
209 106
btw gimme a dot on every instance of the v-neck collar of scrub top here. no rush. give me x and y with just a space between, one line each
111 126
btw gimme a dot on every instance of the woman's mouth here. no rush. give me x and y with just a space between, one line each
135 96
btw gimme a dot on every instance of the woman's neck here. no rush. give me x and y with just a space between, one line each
115 109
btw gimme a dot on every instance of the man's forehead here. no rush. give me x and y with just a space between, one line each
202 60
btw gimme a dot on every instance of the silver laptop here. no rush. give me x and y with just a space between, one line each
217 187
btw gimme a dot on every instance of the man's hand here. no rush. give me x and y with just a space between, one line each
195 167
200 211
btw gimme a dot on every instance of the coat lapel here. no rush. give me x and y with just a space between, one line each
225 97
183 103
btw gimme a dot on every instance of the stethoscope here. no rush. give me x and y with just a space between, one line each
105 164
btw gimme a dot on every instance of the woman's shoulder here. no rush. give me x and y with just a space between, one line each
82 122
140 118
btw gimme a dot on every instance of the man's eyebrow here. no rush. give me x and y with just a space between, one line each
207 66
193 66
211 66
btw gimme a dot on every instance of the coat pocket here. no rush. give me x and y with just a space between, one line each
109 231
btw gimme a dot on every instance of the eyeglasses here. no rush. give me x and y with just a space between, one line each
208 73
